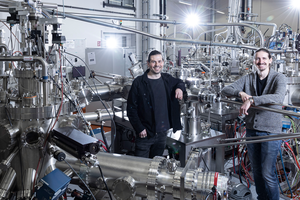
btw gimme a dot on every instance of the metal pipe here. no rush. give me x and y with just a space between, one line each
8 180
91 9
105 76
253 141
249 10
106 92
264 108
7 162
183 33
206 69
254 138
4 46
99 115
262 23
28 180
44 70
90 116
209 31
161 21
148 175
139 48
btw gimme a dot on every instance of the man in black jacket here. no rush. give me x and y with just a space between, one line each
153 107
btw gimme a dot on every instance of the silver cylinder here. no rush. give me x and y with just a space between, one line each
150 176
28 183
7 182
106 92
249 10
193 119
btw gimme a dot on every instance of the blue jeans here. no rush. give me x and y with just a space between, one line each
263 161
151 147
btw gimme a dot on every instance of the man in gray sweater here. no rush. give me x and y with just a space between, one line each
263 87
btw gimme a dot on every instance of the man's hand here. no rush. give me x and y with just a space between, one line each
178 94
244 108
143 134
244 96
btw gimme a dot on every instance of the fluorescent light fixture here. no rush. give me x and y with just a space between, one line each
218 11
186 3
192 20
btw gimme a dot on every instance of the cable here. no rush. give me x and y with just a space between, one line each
104 182
205 164
93 91
11 32
287 180
103 145
33 196
62 89
278 181
293 154
233 159
206 198
103 136
80 179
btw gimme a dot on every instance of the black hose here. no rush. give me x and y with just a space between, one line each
104 138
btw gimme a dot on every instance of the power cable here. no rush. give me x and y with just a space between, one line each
104 182
92 90
80 179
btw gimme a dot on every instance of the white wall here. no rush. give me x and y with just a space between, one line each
74 29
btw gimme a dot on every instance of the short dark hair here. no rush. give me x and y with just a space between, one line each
152 53
264 50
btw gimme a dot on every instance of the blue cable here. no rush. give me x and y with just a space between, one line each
285 173
248 182
278 181
237 128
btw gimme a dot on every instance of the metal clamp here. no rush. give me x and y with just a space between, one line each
154 170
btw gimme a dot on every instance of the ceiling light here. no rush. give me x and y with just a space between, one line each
186 3
192 20
295 4
111 42
218 11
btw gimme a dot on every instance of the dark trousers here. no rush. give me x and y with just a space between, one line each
151 147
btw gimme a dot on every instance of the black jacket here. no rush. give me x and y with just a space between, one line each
140 103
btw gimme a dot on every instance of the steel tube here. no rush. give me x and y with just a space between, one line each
99 115
8 180
4 46
90 116
163 38
149 175
44 70
264 108
258 137
262 23
7 162
253 141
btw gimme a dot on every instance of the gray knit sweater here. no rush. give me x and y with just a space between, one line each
274 92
